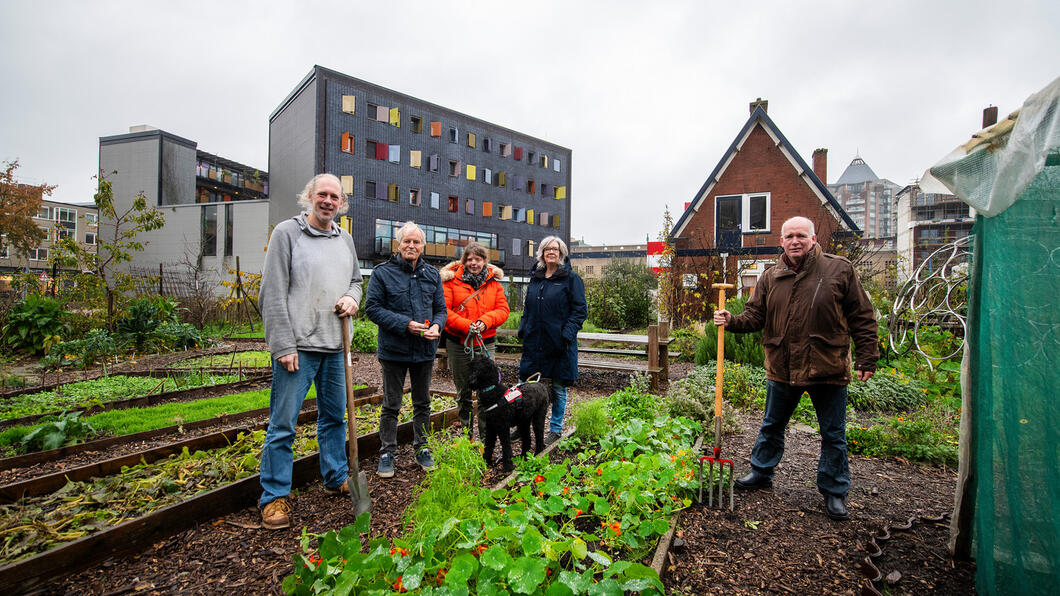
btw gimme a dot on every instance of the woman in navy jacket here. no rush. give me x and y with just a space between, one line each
553 313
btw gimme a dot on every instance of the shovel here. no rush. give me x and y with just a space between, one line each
358 482
716 458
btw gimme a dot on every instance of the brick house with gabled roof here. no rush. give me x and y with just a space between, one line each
758 183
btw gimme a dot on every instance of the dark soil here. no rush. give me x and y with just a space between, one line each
775 541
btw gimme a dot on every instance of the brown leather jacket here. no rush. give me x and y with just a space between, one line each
808 320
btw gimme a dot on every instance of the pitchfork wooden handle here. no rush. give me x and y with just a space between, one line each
721 349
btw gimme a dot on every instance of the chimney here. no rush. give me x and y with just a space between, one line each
989 116
759 102
820 164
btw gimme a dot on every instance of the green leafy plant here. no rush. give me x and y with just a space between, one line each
35 324
914 437
590 420
365 336
886 392
180 336
621 299
745 348
67 429
632 402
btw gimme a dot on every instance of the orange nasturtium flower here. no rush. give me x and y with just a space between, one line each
539 478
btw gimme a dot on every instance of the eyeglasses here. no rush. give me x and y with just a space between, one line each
552 249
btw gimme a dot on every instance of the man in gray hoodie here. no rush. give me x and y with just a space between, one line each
311 272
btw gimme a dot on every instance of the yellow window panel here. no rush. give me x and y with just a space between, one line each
471 139
416 159
506 212
555 221
470 172
530 216
503 179
561 192
347 185
392 192
349 104
395 117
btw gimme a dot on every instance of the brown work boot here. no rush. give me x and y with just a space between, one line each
340 490
275 515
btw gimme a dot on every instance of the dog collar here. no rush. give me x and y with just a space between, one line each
490 388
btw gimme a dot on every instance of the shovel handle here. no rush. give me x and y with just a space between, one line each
347 360
721 350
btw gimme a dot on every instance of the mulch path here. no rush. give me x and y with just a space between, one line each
775 541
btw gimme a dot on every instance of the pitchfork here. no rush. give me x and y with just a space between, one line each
716 458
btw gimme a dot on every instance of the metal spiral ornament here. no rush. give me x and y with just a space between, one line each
936 295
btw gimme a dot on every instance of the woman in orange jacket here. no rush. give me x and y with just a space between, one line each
474 302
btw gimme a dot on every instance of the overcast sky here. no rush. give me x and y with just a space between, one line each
647 94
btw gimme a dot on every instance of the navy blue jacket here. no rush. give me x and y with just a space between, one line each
553 314
398 294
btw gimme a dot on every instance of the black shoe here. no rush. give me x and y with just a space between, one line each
515 435
836 508
754 481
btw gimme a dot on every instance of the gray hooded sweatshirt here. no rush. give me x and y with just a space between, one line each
306 272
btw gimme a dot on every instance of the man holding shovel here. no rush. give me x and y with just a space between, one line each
311 273
809 307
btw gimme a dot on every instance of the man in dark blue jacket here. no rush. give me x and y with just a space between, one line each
405 299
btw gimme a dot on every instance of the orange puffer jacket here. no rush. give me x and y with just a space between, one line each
490 305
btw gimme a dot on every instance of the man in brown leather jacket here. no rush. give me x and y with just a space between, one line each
809 306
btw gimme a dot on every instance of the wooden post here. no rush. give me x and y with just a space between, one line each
653 355
664 351
160 291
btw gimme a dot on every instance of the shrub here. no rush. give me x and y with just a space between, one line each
621 299
886 392
915 439
693 396
745 348
180 336
140 324
365 336
35 324
686 343
67 430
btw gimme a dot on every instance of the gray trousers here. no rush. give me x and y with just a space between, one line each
393 382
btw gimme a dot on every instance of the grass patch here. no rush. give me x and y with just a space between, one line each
249 358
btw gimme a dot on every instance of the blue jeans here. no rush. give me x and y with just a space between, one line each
285 402
419 374
830 403
559 406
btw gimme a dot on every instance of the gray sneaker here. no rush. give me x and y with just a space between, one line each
424 459
386 466
551 437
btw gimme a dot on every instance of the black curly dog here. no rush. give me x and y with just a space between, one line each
498 415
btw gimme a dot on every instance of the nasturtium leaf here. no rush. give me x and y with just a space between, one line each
344 584
607 587
501 533
579 548
413 576
463 567
532 541
448 526
601 506
645 528
495 558
661 526
559 589
329 545
363 523
600 558
554 504
616 568
526 574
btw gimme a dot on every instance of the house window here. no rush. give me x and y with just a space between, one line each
454 204
392 193
530 157
530 247
349 104
371 150
469 207
501 179
454 135
487 144
208 231
416 123
517 247
39 254
589 269
555 165
471 172
369 189
63 233
506 149
415 159
544 161
487 175
454 168
414 197
373 111
471 140
394 153
91 218
434 200
436 129
90 238
346 144
517 154
487 209
229 224
531 186
434 162
756 213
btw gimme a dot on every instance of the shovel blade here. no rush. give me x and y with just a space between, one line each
362 500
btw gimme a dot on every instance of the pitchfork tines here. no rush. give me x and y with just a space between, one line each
722 465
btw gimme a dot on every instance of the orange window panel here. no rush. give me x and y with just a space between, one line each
487 209
436 129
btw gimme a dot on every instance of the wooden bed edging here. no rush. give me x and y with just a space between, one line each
139 534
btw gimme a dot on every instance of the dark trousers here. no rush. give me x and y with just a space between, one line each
419 374
459 361
830 403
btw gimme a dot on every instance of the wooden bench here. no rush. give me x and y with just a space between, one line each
654 347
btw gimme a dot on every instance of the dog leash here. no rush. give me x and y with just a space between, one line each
474 339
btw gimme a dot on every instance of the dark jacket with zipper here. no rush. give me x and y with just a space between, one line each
553 313
808 319
398 294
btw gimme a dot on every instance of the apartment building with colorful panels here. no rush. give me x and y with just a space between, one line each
402 158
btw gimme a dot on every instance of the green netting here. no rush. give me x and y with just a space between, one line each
1014 343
